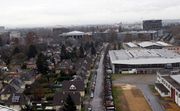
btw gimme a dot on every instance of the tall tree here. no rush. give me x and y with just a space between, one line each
63 52
69 104
1 42
6 55
42 64
93 49
81 52
32 52
16 50
74 53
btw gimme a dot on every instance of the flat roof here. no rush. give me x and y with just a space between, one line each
143 56
163 43
73 33
176 78
131 44
138 32
161 87
148 43
175 84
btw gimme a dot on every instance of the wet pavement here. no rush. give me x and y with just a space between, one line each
97 101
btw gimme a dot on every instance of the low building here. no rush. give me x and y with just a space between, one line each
147 45
168 85
175 49
74 34
137 35
150 45
29 78
143 60
17 101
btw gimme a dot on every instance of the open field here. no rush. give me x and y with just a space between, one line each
119 99
129 98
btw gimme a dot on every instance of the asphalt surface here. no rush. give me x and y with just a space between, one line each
151 99
97 101
142 82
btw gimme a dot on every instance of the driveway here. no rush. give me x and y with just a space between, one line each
142 82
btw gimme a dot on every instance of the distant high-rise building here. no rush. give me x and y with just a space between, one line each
152 24
2 28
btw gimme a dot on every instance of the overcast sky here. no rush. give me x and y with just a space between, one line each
73 12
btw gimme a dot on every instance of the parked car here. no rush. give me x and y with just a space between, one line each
92 95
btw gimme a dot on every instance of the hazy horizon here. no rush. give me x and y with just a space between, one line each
30 13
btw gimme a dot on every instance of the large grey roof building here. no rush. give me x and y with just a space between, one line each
143 58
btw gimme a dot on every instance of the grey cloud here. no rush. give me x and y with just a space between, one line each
65 12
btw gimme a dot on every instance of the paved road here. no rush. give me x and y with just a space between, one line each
142 82
151 99
97 101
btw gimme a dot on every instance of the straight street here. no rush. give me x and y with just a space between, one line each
97 101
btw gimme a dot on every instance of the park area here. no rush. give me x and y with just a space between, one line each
129 98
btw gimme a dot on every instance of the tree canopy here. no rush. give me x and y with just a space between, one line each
32 52
42 64
69 104
63 54
81 51
16 50
93 49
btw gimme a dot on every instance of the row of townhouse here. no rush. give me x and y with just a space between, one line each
12 95
168 85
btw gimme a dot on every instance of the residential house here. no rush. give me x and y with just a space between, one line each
17 101
31 64
74 86
6 92
60 98
18 84
29 78
7 79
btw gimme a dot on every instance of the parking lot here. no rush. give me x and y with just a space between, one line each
145 79
142 82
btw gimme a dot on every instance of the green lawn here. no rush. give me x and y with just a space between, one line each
152 88
117 92
117 76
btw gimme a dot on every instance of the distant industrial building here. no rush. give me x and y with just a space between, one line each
15 35
168 85
143 60
75 34
152 24
137 35
2 29
147 45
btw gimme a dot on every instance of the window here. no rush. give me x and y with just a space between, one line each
176 93
72 87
